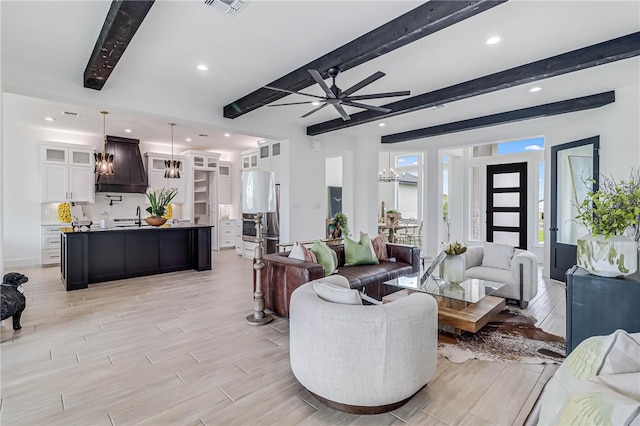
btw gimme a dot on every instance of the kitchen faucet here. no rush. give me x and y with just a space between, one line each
139 220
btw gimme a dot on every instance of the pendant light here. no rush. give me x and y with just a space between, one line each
104 161
390 176
172 167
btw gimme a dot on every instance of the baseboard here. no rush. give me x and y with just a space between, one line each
18 263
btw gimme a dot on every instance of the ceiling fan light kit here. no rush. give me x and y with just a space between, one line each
336 97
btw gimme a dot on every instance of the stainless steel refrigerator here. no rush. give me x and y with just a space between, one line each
272 231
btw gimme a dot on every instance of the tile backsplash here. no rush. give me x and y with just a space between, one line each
102 208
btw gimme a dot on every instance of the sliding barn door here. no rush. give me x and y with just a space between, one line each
507 204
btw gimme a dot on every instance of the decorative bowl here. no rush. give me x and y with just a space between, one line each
155 221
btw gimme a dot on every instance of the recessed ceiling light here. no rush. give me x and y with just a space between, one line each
226 135
493 40
535 89
315 103
50 119
188 139
381 124
203 67
127 130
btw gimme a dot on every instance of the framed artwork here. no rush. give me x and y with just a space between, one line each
581 168
335 200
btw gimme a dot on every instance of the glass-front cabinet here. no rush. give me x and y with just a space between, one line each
67 173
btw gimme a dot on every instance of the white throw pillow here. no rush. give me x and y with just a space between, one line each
496 255
296 252
616 353
335 294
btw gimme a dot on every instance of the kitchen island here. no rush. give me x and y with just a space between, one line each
97 255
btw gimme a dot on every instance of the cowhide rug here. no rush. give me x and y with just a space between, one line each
510 337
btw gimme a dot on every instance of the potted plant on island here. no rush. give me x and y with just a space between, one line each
159 198
607 213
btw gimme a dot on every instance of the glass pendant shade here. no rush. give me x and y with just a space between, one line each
172 167
104 161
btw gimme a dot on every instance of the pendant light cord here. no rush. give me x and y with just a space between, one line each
104 132
172 125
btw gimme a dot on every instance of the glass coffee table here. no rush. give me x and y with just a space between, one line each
467 306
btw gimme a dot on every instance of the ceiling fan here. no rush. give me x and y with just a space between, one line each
337 98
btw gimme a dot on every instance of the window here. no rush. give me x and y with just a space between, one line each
541 202
513 147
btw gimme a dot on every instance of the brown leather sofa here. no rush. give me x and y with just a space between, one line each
281 275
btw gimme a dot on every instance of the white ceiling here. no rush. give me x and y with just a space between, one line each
46 46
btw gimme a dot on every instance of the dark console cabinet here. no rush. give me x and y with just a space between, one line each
600 305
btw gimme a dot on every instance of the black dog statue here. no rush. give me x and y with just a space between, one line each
13 301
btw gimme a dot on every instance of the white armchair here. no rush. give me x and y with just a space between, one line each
520 279
362 358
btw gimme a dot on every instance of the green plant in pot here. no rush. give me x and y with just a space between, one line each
608 213
159 199
341 223
393 216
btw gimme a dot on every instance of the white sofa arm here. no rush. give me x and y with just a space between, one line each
529 264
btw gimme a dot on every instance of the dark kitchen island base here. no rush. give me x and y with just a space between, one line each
104 255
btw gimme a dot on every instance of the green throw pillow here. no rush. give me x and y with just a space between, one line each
359 253
325 257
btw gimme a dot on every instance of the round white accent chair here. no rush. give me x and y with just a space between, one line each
363 359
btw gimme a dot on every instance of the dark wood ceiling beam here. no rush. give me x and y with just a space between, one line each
413 25
598 54
539 111
122 21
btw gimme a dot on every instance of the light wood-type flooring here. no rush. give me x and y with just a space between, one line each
174 349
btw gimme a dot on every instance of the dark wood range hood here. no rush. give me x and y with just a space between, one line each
129 173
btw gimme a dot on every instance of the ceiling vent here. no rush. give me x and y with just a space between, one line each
229 7
70 114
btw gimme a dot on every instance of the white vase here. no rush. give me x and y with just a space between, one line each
608 257
453 269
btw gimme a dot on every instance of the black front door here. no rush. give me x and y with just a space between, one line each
507 204
573 164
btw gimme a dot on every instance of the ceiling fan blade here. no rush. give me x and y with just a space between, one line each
292 92
292 103
377 95
362 84
318 78
342 112
371 107
314 110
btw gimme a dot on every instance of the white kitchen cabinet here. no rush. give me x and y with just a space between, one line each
67 174
155 169
249 160
51 237
239 237
269 161
249 249
226 234
224 183
202 160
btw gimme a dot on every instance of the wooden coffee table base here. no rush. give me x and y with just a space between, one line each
456 316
